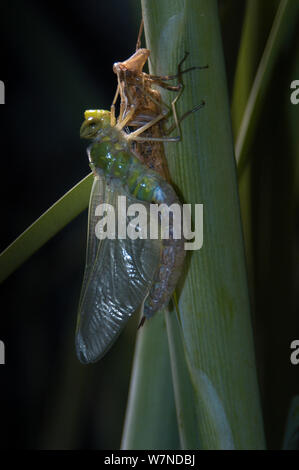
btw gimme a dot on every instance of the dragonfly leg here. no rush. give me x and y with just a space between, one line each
121 124
135 136
160 79
187 113
165 109
138 43
163 114
177 120
112 107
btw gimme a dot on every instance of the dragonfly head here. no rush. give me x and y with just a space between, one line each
95 120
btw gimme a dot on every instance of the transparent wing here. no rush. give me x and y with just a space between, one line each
96 197
118 276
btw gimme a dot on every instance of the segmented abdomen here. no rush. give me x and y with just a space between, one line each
153 188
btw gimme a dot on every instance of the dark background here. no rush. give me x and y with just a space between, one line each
56 61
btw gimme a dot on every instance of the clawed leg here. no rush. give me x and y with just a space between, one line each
157 80
138 43
112 108
181 118
164 114
160 79
121 124
135 135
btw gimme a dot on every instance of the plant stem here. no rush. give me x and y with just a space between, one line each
214 303
150 418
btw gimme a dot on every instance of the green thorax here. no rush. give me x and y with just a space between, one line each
113 162
109 154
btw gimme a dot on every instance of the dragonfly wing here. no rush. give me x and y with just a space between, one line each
118 276
96 197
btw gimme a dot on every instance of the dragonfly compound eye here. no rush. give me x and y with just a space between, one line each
89 128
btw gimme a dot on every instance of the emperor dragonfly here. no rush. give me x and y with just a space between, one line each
122 276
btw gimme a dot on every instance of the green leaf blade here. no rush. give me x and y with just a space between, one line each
45 227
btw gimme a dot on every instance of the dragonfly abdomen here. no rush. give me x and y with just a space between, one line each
168 274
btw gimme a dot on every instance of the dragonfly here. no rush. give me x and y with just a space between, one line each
108 295
122 276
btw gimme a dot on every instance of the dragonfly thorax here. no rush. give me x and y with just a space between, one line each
109 157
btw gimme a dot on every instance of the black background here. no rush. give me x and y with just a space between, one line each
56 62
